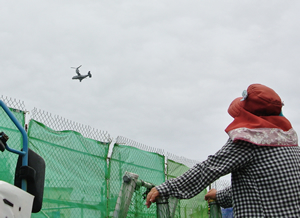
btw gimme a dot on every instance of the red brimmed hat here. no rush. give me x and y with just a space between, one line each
257 118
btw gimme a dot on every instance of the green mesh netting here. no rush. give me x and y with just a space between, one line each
8 160
148 166
194 207
76 172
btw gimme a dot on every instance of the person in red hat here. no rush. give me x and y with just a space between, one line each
262 155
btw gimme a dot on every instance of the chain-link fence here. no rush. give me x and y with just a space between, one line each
58 123
148 164
220 184
81 179
194 207
75 181
8 160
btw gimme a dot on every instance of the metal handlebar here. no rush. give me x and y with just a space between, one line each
23 153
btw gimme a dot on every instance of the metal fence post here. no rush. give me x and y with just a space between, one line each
214 209
162 208
125 195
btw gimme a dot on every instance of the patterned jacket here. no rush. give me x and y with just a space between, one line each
265 180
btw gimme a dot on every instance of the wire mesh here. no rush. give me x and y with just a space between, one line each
148 165
194 207
13 103
58 123
80 181
125 141
183 160
8 160
184 208
220 184
76 172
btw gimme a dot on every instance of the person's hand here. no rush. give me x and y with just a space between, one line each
211 195
151 197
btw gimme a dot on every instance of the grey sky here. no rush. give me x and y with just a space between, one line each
163 72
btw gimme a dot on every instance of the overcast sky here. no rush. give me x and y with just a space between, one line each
163 72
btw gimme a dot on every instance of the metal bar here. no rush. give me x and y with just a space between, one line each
125 195
148 185
162 208
22 153
173 202
214 210
25 140
162 204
